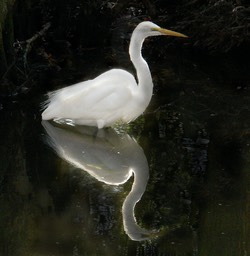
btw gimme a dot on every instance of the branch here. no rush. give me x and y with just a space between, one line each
31 40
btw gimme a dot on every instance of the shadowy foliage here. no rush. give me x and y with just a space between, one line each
42 36
217 26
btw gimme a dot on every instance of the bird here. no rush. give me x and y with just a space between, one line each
113 96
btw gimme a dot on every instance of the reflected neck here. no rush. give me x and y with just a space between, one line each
141 174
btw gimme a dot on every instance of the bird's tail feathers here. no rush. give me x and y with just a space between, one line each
50 96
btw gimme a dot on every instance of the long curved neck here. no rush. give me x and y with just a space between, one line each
145 83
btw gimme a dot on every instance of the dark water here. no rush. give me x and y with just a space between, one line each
74 190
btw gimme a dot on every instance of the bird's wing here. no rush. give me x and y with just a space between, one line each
102 95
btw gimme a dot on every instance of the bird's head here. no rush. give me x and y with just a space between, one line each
147 28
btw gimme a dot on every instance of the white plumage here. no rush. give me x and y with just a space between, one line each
112 96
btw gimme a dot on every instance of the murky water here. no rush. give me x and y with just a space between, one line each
174 182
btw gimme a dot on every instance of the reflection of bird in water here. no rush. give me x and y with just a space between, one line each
109 157
112 96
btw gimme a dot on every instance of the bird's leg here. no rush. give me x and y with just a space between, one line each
100 123
100 133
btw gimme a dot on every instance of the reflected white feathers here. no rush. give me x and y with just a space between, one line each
109 157
104 156
112 96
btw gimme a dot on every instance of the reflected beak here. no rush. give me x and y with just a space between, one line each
167 32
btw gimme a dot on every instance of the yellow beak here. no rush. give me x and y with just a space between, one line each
170 32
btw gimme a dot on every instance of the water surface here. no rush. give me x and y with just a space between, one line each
174 182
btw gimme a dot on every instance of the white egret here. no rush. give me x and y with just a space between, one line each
112 96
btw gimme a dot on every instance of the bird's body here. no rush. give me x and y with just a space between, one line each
112 96
96 102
